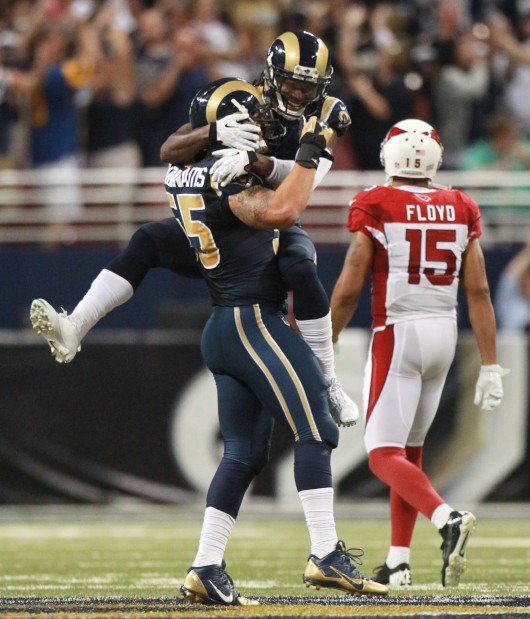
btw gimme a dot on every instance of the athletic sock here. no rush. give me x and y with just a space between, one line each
216 529
391 466
397 555
107 291
317 334
440 515
318 510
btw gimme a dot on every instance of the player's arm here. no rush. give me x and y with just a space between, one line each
279 209
480 307
489 389
261 208
347 290
184 144
234 131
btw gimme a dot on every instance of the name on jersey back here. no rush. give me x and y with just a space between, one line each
186 177
430 212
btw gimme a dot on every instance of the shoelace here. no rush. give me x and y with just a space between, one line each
347 558
226 580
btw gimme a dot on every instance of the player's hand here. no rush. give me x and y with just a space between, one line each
314 140
230 165
489 392
236 131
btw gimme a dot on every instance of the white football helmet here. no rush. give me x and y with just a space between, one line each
412 149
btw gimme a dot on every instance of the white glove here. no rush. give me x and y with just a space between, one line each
488 392
236 131
231 164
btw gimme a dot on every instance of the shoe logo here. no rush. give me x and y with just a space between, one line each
358 586
463 547
227 599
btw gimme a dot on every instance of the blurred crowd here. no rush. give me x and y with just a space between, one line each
103 82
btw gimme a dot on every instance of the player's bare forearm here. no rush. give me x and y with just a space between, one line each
184 144
482 319
280 209
262 167
348 288
480 307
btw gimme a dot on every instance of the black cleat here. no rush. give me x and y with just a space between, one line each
399 576
337 571
210 584
455 535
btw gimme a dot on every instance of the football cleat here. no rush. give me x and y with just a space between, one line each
399 576
57 329
337 571
455 536
342 408
210 584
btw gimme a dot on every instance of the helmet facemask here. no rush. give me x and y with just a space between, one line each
298 73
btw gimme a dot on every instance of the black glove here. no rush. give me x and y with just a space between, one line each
313 144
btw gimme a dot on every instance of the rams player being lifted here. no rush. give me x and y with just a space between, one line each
263 370
294 84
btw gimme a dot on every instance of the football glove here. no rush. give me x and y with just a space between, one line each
236 131
488 392
313 143
231 164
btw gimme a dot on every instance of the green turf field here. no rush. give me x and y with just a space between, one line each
136 558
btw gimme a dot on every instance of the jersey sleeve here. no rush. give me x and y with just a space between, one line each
335 114
473 214
361 217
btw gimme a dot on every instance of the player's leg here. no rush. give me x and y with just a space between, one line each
297 262
272 360
246 432
156 244
454 526
410 364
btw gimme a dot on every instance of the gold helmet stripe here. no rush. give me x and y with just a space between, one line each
291 45
223 91
322 57
292 50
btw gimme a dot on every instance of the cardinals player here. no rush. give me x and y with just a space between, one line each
418 241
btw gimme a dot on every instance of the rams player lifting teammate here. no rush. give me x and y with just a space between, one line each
262 368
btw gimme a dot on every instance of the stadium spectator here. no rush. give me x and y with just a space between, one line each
259 363
503 148
62 53
374 60
170 70
459 89
417 240
110 137
512 295
512 55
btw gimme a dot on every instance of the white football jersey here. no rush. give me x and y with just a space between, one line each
419 236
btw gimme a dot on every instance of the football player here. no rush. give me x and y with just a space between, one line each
262 368
294 83
418 241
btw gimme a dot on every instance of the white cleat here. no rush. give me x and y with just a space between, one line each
342 408
57 329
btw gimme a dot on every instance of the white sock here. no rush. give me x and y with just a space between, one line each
107 291
317 334
318 510
397 555
440 515
216 529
